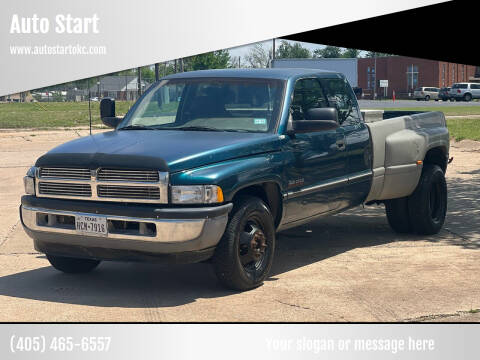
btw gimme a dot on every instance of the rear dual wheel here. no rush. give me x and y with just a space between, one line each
424 211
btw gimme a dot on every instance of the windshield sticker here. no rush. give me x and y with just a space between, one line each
259 121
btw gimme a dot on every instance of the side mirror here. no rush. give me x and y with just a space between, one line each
107 113
318 119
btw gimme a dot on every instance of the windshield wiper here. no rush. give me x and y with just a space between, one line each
136 127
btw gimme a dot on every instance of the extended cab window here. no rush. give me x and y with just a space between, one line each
220 104
340 95
308 94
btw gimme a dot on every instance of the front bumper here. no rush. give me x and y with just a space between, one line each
141 231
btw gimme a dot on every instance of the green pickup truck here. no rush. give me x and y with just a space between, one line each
212 164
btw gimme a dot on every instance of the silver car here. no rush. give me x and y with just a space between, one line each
426 93
465 91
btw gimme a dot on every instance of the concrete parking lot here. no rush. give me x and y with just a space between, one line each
349 267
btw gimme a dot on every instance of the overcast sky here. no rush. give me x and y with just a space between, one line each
243 50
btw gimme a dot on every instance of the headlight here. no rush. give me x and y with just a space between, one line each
29 181
197 194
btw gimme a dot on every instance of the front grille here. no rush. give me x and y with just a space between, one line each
65 173
143 186
64 189
128 175
128 192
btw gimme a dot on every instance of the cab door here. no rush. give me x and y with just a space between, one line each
358 151
316 170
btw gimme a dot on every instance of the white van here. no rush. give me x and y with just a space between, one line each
426 93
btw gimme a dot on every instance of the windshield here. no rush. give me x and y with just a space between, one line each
221 104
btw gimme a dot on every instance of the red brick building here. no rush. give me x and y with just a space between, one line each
404 74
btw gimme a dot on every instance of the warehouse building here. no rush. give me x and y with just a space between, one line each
346 66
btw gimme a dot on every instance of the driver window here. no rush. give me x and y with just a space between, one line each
341 96
307 94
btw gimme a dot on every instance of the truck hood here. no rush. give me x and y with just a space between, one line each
165 150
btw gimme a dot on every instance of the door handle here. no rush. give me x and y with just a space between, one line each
341 144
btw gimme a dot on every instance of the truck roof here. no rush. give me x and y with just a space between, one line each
275 73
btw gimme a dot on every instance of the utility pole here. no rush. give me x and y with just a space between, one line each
139 81
375 77
175 66
157 77
273 52
126 87
89 106
239 59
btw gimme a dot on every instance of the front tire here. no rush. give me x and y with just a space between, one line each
427 205
427 98
72 265
244 255
467 97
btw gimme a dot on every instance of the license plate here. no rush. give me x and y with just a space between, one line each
91 225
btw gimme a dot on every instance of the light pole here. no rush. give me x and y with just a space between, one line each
98 89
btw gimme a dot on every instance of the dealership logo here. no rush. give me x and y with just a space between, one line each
64 24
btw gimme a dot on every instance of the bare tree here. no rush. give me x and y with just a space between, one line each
258 56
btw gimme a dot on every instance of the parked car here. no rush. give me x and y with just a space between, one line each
426 93
212 164
443 94
465 91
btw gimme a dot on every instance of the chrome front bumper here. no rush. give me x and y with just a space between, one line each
169 235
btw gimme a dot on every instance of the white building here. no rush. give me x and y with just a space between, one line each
346 66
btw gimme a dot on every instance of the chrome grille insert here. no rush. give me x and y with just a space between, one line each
69 189
148 176
65 173
128 192
143 186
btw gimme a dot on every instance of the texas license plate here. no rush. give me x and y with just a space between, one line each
91 225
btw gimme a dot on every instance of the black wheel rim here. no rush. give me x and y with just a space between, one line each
253 246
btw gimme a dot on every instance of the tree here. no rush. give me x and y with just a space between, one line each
147 74
212 60
287 50
328 52
372 54
351 53
258 56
